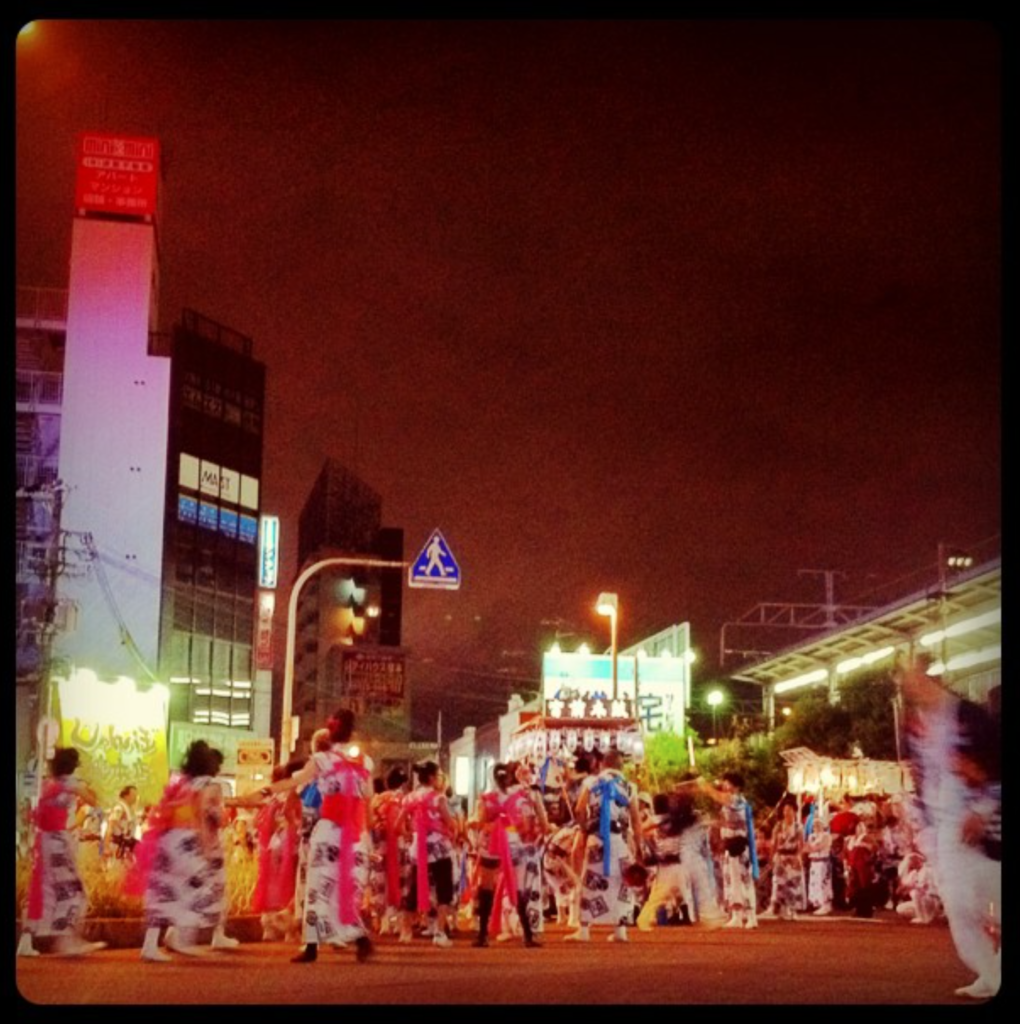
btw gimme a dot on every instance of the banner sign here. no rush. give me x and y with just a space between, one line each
117 174
373 682
120 732
255 753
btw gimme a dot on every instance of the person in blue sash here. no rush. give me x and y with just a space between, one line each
608 809
740 859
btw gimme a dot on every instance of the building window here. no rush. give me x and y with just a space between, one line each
228 522
249 529
187 509
208 516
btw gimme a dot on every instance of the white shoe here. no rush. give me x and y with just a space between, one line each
734 922
25 947
822 911
579 936
616 937
767 915
443 941
222 941
979 989
752 922
156 956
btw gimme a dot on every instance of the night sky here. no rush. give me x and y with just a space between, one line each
674 309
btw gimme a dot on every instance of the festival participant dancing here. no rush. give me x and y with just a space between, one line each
56 895
609 809
431 852
740 859
338 849
511 821
311 804
179 862
390 875
278 832
671 883
561 872
788 863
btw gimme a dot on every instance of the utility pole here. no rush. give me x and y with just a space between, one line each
830 590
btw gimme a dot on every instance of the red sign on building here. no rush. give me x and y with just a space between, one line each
264 630
116 174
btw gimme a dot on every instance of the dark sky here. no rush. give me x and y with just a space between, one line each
668 308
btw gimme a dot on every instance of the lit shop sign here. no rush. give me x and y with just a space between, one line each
582 707
116 174
652 687
269 550
264 630
218 482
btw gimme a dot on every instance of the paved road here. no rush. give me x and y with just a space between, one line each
835 961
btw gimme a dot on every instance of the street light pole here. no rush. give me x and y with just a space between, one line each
715 698
286 737
609 604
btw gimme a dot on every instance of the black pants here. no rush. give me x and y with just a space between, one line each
440 878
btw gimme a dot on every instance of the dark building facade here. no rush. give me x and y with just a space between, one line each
214 473
349 618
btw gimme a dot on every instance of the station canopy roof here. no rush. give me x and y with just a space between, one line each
970 595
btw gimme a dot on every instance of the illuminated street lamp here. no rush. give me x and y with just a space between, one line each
715 698
609 604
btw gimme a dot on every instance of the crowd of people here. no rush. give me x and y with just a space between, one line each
342 857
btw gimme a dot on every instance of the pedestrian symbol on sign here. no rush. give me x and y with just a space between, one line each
435 566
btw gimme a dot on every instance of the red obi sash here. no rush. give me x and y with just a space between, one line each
426 819
49 816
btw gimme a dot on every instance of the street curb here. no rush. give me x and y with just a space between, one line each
128 932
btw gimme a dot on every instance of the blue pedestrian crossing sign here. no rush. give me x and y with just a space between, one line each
435 566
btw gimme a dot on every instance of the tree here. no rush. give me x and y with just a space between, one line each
863 717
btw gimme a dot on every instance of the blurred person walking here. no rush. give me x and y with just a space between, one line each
956 748
179 862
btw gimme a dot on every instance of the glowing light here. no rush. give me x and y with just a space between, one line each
990 618
787 712
690 656
970 658
642 653
462 776
815 676
715 698
583 649
372 611
353 750
607 604
555 649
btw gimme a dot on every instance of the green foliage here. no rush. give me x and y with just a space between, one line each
756 758
863 716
